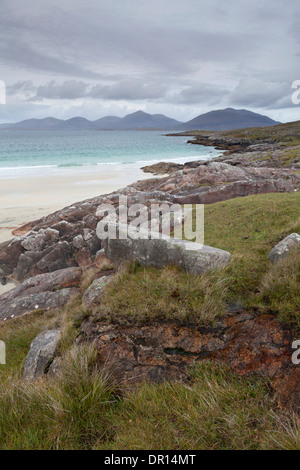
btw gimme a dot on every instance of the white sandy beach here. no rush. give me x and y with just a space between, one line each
36 194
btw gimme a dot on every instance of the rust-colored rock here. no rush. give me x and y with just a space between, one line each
247 343
257 345
287 387
83 258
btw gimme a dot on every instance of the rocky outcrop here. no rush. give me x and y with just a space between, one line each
68 237
283 248
217 181
247 343
163 168
273 147
41 353
188 256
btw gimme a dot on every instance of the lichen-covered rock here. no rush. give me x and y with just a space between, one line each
282 249
38 241
47 282
190 257
58 258
163 351
41 353
40 301
92 294
101 258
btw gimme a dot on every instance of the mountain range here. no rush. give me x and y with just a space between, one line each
223 119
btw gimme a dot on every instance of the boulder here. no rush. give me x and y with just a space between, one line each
38 241
27 262
47 282
92 294
83 258
59 257
41 301
41 353
282 249
188 256
101 258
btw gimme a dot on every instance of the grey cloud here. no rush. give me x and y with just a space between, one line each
201 94
75 43
129 90
187 55
265 94
25 87
69 90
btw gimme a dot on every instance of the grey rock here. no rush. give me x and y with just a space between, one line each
92 294
78 242
27 261
282 249
41 301
190 257
47 282
93 244
38 241
41 353
87 234
58 258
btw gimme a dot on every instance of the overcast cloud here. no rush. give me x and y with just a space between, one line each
181 58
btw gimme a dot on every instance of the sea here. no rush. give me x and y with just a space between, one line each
35 152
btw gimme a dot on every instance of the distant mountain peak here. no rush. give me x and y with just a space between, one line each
228 119
221 119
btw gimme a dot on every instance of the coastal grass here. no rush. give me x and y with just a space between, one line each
71 411
217 410
286 134
249 228
139 295
279 290
85 407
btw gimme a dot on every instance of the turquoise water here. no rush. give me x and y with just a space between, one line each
22 151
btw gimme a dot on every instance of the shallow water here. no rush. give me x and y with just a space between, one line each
33 152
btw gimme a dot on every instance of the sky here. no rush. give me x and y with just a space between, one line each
181 58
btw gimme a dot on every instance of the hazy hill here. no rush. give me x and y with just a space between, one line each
107 122
142 120
137 120
227 119
40 124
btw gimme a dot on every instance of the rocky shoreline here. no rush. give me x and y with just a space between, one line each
273 147
68 237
